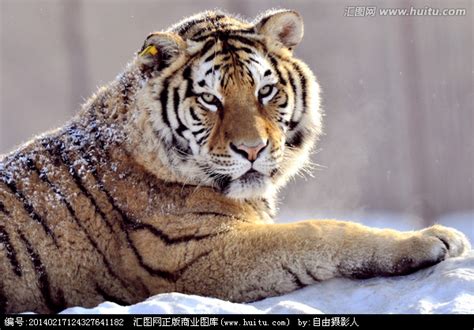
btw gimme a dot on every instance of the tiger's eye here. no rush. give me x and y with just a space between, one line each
209 98
265 90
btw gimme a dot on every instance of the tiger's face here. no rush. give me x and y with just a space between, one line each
228 102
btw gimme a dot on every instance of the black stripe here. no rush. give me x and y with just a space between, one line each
195 133
43 176
213 69
193 114
239 63
11 253
292 124
229 48
188 25
273 172
303 85
205 31
284 104
207 46
251 59
229 35
202 138
204 37
181 128
177 146
210 57
249 30
264 20
57 152
29 208
202 82
164 103
189 82
246 50
167 275
313 277
222 29
249 74
246 41
267 73
275 66
295 279
296 140
182 239
293 86
43 280
283 121
109 297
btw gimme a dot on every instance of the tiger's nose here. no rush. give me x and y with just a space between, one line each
249 152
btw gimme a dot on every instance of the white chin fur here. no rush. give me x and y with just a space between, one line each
258 189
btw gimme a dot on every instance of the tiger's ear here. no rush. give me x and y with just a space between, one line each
284 26
160 50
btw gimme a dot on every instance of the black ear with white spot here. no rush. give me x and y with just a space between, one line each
283 26
160 50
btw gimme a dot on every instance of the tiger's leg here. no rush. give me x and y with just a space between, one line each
257 261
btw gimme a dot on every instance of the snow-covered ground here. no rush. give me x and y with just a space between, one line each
445 288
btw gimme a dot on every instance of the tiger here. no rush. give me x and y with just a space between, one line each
166 180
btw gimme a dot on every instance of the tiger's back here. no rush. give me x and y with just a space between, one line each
57 230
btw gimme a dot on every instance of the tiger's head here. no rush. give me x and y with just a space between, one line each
224 103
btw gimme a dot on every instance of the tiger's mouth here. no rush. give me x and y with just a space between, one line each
251 176
251 184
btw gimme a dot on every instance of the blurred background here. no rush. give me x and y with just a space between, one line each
398 148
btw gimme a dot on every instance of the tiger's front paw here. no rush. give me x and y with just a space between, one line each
430 246
445 242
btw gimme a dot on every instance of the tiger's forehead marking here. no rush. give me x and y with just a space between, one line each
228 63
228 52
